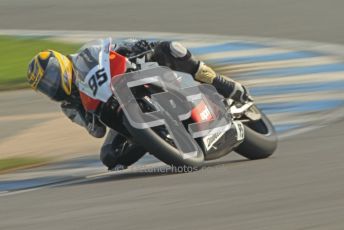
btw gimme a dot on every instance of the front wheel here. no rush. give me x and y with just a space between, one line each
260 139
154 142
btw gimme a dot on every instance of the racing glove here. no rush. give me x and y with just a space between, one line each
134 47
73 114
86 120
142 46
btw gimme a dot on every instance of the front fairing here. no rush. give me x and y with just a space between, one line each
92 69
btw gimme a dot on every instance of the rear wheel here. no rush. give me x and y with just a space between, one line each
260 139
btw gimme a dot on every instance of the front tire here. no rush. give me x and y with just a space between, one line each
161 149
260 139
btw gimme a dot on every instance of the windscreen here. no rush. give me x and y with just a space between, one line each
86 59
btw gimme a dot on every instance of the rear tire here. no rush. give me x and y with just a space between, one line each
260 139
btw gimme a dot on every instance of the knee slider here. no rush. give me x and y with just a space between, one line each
178 50
175 56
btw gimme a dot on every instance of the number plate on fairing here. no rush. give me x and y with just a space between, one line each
240 130
92 69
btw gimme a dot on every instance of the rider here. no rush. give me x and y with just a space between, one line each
52 74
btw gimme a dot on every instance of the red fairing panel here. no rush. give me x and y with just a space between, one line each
89 103
201 113
117 66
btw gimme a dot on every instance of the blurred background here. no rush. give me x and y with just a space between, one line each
298 77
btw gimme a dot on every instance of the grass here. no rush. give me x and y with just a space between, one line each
16 53
20 162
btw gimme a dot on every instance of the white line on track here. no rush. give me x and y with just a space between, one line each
325 95
242 53
86 178
296 79
9 193
255 66
49 173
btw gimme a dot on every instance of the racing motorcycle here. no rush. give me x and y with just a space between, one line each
180 121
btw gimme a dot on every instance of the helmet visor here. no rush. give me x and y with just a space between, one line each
50 83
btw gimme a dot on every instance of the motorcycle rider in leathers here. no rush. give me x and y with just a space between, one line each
51 73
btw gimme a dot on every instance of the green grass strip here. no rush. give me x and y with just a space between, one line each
16 53
21 162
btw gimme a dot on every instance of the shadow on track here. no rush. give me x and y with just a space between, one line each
151 172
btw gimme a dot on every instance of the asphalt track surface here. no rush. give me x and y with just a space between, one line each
297 19
300 187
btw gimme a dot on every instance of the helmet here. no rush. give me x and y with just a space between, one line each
51 74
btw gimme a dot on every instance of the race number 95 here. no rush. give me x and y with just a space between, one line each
97 80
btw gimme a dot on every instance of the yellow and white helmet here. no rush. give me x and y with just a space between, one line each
50 73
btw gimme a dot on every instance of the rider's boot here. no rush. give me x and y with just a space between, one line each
117 154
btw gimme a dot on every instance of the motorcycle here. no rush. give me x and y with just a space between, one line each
166 113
